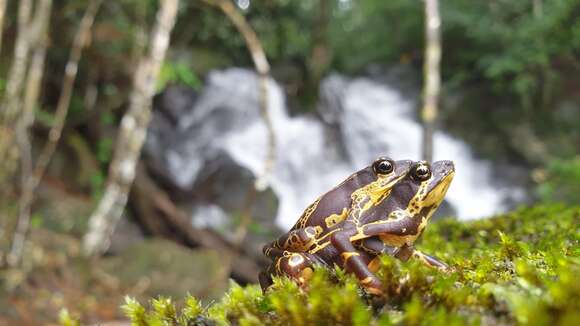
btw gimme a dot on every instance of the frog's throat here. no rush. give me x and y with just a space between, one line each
436 195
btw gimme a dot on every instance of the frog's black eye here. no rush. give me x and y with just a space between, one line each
383 166
421 172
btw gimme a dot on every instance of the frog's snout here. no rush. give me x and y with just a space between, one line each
443 168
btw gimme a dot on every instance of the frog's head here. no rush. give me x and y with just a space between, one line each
388 173
424 188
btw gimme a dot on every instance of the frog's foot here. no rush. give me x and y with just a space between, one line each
430 261
265 280
373 286
265 277
296 265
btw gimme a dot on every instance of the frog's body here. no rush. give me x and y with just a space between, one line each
367 214
351 199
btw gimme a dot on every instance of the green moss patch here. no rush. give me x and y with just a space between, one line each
518 268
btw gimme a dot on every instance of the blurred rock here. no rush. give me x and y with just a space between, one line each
160 267
185 152
61 210
126 234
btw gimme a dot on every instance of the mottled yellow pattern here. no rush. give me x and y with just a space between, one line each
334 219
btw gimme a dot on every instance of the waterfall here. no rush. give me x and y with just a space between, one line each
372 119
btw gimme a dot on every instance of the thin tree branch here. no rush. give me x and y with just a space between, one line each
31 179
38 30
11 101
263 68
80 41
2 14
432 78
131 135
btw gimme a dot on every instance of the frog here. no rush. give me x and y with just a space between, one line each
349 200
368 224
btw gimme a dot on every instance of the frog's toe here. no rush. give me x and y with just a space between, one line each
372 285
305 276
265 280
375 291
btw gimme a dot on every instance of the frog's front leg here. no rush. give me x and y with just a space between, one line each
343 242
376 247
407 252
398 227
353 261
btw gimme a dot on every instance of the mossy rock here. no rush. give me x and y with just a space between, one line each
518 268
164 268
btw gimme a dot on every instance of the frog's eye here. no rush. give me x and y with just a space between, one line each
383 166
421 172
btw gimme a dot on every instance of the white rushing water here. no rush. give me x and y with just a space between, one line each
376 120
377 109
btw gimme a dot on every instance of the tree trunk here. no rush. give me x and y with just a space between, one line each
321 53
2 15
132 134
263 68
432 78
36 33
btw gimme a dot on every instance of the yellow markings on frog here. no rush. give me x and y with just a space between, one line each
318 230
437 194
398 240
371 195
347 255
420 200
295 243
306 215
295 260
363 199
374 264
268 251
416 203
306 274
366 280
313 232
334 219
320 243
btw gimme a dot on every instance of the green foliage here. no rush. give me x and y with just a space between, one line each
162 312
561 181
516 268
514 44
66 319
177 73
365 32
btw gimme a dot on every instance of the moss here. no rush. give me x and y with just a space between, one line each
518 268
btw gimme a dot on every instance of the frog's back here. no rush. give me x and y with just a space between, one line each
330 209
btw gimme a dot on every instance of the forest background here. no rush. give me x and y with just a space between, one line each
71 71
